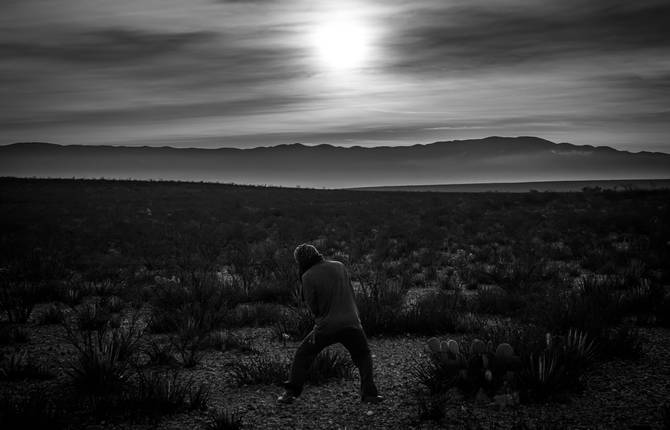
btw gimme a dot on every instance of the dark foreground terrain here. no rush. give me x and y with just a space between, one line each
176 305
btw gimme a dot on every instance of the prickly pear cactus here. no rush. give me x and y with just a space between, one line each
481 366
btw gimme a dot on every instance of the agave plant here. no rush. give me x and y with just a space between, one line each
542 375
578 344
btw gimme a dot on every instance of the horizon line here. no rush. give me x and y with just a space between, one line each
328 145
299 187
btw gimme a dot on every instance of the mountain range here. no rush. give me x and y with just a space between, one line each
492 159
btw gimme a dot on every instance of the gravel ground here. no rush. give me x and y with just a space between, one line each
618 394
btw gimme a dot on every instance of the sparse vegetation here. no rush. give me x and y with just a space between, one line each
19 366
224 419
164 392
145 278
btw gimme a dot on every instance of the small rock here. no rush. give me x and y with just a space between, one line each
369 413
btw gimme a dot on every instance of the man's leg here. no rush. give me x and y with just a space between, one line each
304 356
357 345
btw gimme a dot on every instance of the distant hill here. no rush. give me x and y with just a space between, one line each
492 159
524 187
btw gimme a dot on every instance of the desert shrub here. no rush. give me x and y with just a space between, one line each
189 310
499 302
17 299
70 293
92 317
18 366
189 343
103 360
224 340
160 354
592 307
224 419
254 314
114 304
437 312
521 271
379 303
258 370
550 367
271 293
36 410
295 323
329 365
165 392
272 369
434 313
105 288
198 296
11 334
162 322
52 314
558 369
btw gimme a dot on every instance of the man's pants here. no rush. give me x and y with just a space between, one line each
352 338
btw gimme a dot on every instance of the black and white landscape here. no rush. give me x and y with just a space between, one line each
489 178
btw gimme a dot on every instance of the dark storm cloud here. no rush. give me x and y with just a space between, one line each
104 46
482 35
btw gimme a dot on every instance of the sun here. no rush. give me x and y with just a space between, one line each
341 44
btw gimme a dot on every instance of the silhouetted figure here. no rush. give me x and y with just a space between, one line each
327 290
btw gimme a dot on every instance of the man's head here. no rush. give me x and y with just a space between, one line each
306 256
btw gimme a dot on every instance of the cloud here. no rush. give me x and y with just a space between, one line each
481 35
112 45
238 72
162 112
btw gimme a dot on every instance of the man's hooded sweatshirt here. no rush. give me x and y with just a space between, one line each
328 292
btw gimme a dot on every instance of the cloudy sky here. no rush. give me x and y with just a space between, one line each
212 73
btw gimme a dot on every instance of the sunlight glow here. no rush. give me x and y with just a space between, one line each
341 44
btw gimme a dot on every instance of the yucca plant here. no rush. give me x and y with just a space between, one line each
98 368
104 357
92 317
579 347
542 375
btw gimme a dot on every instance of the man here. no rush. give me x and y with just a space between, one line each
327 290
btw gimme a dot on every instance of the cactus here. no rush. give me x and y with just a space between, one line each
480 366
452 345
477 347
444 347
504 351
434 344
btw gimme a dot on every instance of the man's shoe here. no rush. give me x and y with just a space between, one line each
286 397
372 399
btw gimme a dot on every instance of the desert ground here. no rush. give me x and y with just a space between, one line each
128 304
